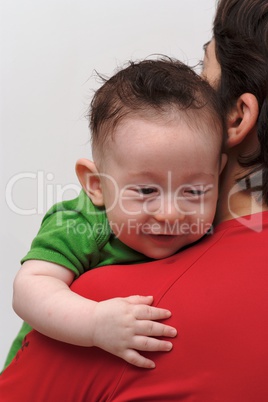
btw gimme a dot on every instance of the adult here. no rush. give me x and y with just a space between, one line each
217 289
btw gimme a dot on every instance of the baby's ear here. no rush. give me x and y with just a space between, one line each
242 119
89 178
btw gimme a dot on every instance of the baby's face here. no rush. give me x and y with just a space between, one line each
160 184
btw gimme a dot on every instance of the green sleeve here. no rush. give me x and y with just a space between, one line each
71 235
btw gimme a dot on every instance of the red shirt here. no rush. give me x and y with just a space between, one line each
217 292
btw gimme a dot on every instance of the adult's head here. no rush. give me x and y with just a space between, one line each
236 64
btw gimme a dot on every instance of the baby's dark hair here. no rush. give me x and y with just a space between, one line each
152 86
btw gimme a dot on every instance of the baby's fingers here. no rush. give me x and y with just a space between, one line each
143 312
133 357
147 344
152 328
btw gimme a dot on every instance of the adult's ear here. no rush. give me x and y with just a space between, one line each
242 119
89 178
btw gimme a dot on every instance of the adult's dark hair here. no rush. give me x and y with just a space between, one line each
241 35
151 87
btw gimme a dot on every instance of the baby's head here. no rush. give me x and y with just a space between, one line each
151 88
156 141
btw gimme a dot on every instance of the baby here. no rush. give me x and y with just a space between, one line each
151 190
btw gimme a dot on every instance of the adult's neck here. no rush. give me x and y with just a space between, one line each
235 199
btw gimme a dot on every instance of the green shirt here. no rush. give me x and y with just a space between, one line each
76 234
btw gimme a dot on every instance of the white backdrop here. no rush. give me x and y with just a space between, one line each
49 50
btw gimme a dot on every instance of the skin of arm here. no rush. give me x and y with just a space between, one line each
121 326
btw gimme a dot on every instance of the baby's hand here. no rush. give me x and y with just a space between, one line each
123 326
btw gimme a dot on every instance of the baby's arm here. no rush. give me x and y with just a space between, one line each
121 326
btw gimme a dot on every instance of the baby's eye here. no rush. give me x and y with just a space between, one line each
147 190
196 192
